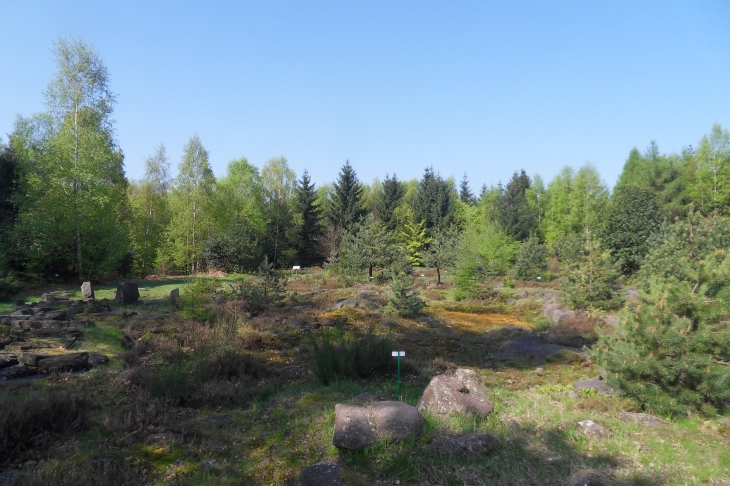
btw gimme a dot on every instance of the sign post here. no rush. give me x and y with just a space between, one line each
399 354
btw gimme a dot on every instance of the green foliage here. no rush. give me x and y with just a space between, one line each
8 288
711 189
278 184
591 280
514 213
311 229
442 251
568 248
195 296
364 357
388 199
264 291
412 235
530 260
237 250
404 299
367 245
465 194
672 354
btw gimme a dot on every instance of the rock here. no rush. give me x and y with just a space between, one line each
164 438
65 362
19 371
8 360
539 360
175 298
612 320
531 345
341 320
359 426
590 428
587 478
467 445
11 477
560 315
324 473
87 291
366 398
31 359
22 312
329 322
60 315
596 383
462 392
642 418
19 303
217 418
127 293
354 304
97 359
50 297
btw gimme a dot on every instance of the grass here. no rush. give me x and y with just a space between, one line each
284 421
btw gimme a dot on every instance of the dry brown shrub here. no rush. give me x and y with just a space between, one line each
433 295
576 331
603 404
439 366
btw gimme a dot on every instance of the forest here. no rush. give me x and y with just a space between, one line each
70 214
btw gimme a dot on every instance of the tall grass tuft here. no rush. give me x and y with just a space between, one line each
363 357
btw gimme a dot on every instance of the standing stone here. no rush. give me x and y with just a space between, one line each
175 298
87 291
127 293
462 392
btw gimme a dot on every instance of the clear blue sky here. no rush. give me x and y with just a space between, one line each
483 87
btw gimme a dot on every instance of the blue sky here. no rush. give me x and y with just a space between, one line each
485 88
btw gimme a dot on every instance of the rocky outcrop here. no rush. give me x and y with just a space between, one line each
64 362
642 418
127 293
592 429
357 426
596 383
354 304
462 392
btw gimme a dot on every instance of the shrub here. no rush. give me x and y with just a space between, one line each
404 298
672 354
364 357
8 288
591 280
195 296
530 260
266 290
21 421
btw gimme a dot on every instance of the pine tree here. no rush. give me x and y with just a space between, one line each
672 354
531 260
513 209
347 199
403 298
366 246
465 193
311 227
389 198
592 280
434 203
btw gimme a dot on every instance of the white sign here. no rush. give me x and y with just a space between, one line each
296 267
398 353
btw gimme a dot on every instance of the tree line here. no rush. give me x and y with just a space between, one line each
68 211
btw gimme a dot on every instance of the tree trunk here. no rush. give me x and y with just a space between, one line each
74 195
370 271
438 276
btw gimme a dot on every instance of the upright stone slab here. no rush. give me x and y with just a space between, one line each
127 293
175 298
87 291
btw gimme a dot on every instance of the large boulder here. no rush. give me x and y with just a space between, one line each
51 297
127 293
462 392
31 359
175 298
19 371
60 315
357 426
87 291
65 362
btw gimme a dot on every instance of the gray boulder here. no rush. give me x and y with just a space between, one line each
51 297
641 418
31 359
127 293
465 445
19 371
357 426
596 383
462 392
87 291
97 359
65 362
175 298
60 315
354 304
8 360
592 429
324 473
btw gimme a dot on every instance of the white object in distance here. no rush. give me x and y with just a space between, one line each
398 353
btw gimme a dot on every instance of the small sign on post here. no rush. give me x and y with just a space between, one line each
398 354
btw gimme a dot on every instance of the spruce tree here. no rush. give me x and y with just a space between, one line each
434 203
465 193
346 207
672 352
591 280
389 198
311 229
514 212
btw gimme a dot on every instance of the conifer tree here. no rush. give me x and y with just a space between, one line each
591 280
346 206
672 353
465 193
442 251
434 204
311 226
389 198
513 210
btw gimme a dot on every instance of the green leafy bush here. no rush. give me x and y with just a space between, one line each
363 357
264 291
672 354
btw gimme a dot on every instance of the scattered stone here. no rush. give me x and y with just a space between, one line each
341 320
31 359
323 473
462 392
65 362
87 291
596 383
539 360
97 359
354 304
642 418
359 426
467 445
8 360
539 370
51 297
19 371
587 478
60 315
590 428
175 298
127 293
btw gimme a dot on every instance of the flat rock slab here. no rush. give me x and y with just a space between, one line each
592 429
51 297
19 371
642 418
531 345
596 383
356 426
8 360
65 362
354 304
465 445
324 473
462 392
31 359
